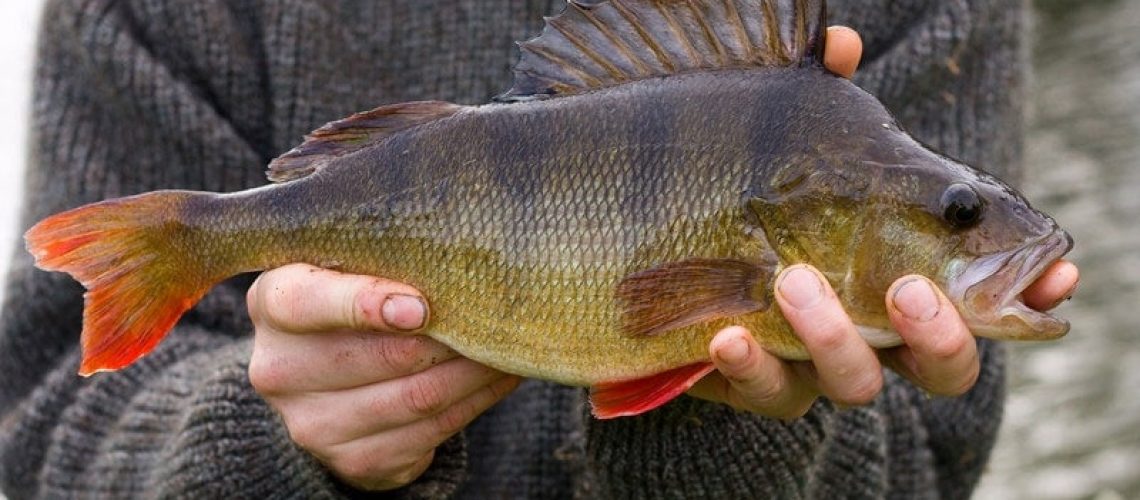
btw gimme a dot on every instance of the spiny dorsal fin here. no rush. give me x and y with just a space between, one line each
354 133
594 44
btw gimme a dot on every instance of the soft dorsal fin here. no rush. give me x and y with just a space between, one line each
354 133
596 44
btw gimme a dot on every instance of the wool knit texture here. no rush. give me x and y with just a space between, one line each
138 95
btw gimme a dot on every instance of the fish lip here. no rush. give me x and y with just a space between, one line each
989 291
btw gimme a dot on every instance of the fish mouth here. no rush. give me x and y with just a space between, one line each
988 291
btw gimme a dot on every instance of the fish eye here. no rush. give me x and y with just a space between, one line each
961 206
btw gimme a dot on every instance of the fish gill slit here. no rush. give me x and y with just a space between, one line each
658 51
642 67
579 43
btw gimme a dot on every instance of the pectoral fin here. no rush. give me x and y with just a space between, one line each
690 292
634 397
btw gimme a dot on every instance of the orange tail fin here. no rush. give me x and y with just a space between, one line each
128 255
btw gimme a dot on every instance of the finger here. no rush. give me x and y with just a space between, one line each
289 364
405 476
1055 285
843 51
848 370
380 457
751 379
940 354
336 418
304 299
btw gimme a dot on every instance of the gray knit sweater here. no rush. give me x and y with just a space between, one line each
137 95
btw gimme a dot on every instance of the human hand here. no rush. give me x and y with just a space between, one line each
333 354
939 353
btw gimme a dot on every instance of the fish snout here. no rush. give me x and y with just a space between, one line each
988 291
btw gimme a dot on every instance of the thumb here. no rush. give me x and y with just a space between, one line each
300 298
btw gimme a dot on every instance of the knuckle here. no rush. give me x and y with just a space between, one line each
306 432
359 469
424 396
949 347
252 303
268 375
863 391
829 333
365 310
962 387
281 301
762 393
408 474
453 420
498 391
398 355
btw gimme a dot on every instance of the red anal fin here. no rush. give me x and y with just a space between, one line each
690 292
634 397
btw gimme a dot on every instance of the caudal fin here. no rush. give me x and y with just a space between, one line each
130 256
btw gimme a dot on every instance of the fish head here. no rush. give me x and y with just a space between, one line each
1000 246
866 204
977 237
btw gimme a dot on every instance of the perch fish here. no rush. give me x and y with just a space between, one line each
653 168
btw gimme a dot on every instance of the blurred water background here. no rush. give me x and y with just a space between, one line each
1072 426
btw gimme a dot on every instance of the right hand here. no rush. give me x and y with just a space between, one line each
334 355
939 353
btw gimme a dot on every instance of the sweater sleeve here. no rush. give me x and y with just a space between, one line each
118 113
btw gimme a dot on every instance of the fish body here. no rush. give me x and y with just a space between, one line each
520 237
595 234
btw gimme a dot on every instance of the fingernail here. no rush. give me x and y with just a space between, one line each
404 312
916 300
801 288
734 352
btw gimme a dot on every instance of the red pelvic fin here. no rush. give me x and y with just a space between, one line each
125 255
634 397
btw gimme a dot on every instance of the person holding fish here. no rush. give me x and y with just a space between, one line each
683 205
